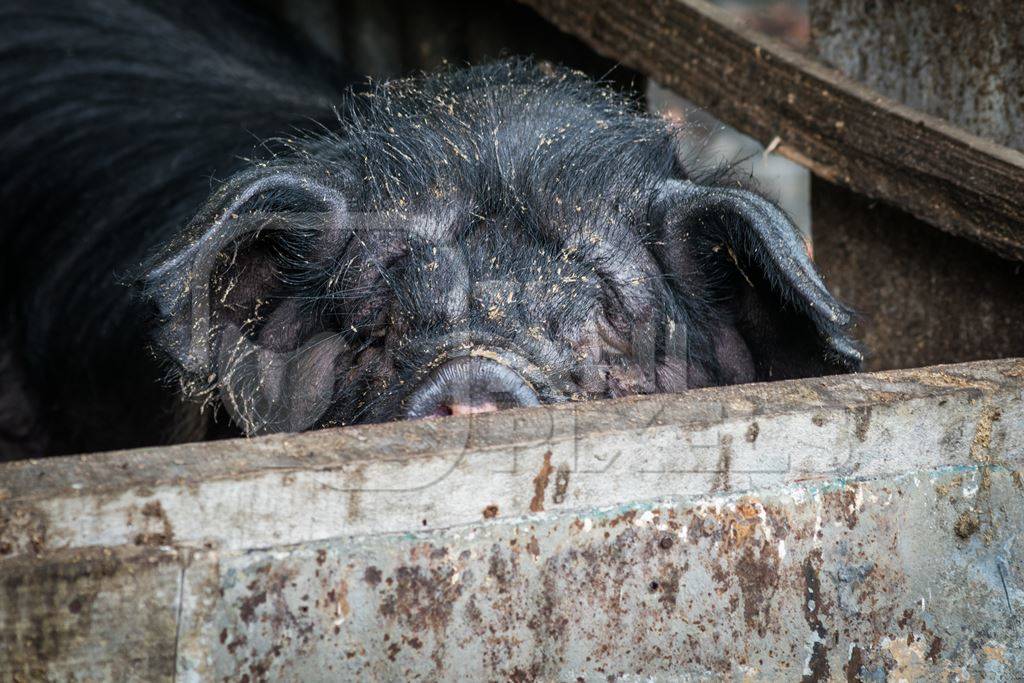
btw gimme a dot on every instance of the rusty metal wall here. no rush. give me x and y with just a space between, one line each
852 528
898 579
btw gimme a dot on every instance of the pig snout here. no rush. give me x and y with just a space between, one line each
470 385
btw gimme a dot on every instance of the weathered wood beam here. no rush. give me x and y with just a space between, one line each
842 131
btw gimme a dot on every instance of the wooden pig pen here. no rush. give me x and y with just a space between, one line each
860 528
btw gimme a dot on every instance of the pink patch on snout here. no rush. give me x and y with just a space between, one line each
464 409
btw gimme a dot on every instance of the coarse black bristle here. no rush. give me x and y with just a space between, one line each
134 133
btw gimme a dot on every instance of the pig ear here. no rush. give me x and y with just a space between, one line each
770 315
233 317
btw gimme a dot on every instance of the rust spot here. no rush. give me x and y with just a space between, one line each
853 665
491 511
420 600
372 576
237 643
474 616
813 607
934 650
665 543
842 504
533 547
757 572
626 518
223 635
561 485
247 609
497 567
259 669
548 621
752 432
520 675
540 484
861 422
747 510
669 585
818 665
321 556
967 524
722 473
342 601
812 592
908 614
153 509
164 536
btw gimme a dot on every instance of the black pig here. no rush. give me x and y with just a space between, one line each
306 256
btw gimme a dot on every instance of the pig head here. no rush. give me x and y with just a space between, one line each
479 239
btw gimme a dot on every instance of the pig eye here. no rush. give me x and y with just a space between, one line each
613 307
613 342
360 289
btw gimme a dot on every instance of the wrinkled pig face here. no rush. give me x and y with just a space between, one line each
483 239
467 312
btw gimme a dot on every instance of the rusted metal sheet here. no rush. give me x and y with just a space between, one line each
106 614
861 525
907 578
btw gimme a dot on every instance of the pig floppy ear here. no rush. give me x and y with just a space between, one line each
236 317
768 312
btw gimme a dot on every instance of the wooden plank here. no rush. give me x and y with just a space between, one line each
844 132
961 61
922 296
